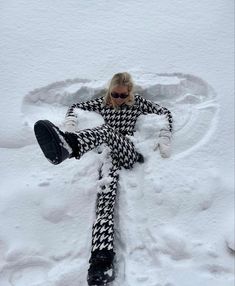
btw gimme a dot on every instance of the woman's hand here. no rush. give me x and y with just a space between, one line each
70 126
164 144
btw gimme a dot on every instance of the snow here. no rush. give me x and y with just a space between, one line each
174 217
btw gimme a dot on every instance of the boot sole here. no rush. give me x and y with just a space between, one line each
50 142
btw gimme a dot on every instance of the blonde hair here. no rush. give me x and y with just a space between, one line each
120 79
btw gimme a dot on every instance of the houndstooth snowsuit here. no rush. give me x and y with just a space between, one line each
118 123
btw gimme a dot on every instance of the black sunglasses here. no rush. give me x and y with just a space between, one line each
121 95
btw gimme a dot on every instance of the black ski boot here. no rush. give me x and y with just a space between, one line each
55 144
101 270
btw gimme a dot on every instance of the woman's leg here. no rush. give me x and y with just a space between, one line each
123 150
102 251
103 228
58 145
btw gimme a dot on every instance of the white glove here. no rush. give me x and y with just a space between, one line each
164 144
70 126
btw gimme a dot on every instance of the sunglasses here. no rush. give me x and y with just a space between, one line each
121 95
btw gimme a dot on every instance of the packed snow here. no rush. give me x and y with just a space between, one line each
174 218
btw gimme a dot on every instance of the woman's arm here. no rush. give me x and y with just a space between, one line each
148 106
164 141
71 115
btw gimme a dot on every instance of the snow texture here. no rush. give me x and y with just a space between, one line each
174 217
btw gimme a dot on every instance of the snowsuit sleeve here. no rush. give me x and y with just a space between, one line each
147 106
91 105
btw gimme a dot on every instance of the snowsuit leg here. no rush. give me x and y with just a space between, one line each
103 227
122 149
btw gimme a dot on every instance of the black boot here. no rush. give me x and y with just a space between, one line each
101 270
55 144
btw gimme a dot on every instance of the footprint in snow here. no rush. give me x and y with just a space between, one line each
44 184
27 271
54 212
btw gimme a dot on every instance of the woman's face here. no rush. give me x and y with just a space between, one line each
118 93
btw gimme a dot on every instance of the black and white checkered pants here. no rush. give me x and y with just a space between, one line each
123 154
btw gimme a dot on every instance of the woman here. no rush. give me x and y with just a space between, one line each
120 109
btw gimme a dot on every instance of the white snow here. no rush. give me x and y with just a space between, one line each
174 217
